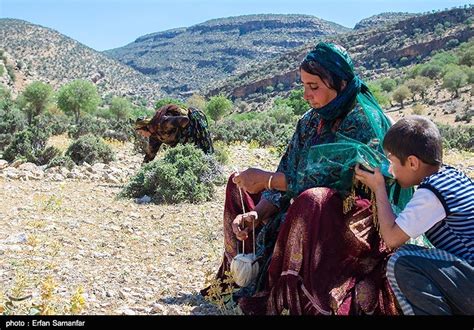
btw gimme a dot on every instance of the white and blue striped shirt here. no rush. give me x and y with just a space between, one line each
455 191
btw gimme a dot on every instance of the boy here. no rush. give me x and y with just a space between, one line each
438 281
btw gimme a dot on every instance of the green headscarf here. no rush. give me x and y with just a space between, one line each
345 153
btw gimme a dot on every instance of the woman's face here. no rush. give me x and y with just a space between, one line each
316 92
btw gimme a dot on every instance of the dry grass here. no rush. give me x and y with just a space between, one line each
71 247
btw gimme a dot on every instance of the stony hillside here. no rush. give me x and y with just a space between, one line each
382 19
376 52
185 59
39 53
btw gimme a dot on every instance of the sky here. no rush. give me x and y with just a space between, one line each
107 24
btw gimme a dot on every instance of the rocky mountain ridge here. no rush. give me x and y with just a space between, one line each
38 53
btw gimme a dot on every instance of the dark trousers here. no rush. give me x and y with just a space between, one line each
431 282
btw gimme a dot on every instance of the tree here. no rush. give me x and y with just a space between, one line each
78 96
431 70
388 85
424 83
295 101
415 86
36 97
380 96
467 58
400 94
218 106
453 80
197 101
169 100
120 108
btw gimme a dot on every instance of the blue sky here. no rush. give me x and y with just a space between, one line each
106 24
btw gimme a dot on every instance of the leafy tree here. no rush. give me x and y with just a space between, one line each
417 86
218 106
169 100
120 108
381 97
401 94
467 58
197 101
36 96
431 70
295 101
78 96
444 58
388 85
470 75
453 80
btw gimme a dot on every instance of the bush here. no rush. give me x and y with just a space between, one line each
221 153
11 121
264 130
90 149
184 174
418 109
63 161
30 144
459 137
218 107
88 125
56 123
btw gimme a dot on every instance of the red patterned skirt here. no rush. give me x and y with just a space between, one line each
323 262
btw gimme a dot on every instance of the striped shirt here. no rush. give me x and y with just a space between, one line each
455 191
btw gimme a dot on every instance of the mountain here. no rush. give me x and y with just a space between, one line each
375 52
39 53
185 59
382 19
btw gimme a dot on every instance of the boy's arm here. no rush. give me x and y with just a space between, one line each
391 233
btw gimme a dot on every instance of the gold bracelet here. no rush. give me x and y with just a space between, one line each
270 182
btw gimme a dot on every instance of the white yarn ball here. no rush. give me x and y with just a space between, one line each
243 269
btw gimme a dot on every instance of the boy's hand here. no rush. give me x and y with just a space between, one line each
374 180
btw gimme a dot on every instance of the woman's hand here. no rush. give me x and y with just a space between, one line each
242 224
252 180
374 181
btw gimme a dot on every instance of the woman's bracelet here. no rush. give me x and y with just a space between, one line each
269 186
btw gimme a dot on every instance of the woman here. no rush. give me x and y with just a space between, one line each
317 245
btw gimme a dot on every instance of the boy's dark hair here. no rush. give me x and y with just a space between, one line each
417 136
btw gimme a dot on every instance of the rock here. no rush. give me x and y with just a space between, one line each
12 173
17 163
28 167
143 200
57 177
3 164
99 167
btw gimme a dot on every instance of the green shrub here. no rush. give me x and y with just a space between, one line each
88 125
30 144
63 161
184 174
56 123
11 121
265 130
221 153
90 149
459 137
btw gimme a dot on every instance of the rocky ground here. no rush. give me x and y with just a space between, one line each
64 234
68 245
